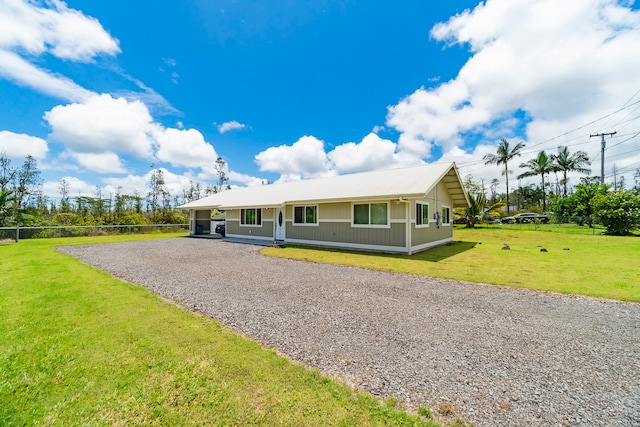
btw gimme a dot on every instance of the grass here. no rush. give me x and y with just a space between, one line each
594 265
79 347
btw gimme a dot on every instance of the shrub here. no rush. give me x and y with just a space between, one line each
619 211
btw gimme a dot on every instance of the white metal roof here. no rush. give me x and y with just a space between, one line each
414 181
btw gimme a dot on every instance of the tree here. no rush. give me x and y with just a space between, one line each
579 205
541 165
27 180
220 167
502 157
619 211
494 190
63 189
565 162
636 179
476 210
7 173
6 206
157 192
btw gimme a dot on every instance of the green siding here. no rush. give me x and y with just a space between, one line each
343 232
264 230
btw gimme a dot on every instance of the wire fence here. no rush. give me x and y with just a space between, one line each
18 233
580 224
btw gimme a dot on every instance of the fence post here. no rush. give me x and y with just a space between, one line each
17 231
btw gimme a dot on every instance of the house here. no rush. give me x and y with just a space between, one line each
403 210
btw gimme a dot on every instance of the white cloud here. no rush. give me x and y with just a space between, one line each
13 67
99 162
132 184
247 180
65 33
186 148
305 158
103 124
77 187
229 126
18 146
371 153
560 64
27 30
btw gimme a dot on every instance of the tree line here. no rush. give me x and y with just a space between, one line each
23 202
612 204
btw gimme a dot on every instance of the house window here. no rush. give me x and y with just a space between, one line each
446 215
251 216
371 214
305 215
422 214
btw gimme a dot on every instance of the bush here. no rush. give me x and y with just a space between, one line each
619 212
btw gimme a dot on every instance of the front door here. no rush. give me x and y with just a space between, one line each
280 224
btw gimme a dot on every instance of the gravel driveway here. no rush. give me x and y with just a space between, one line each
499 356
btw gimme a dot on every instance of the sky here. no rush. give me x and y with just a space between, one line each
101 92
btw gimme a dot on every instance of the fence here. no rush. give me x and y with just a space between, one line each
17 233
583 223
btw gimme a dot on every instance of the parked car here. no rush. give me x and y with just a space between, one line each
221 229
525 217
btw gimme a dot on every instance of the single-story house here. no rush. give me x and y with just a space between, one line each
403 210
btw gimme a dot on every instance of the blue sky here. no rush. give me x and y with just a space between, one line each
100 92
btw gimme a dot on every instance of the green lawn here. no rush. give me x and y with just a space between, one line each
79 347
594 265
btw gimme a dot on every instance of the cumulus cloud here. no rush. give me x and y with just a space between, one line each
229 126
371 153
305 158
99 162
19 145
76 187
103 124
544 72
28 30
561 64
247 180
184 148
132 184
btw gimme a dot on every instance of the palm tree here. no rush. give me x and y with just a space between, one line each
477 209
566 162
7 201
541 165
502 157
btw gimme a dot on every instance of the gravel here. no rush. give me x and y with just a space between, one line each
499 356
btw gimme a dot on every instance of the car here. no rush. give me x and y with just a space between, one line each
221 229
525 217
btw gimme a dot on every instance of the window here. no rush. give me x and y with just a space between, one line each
305 215
446 215
422 214
370 214
251 216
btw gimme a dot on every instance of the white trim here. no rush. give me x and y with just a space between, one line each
428 245
387 225
305 224
423 225
450 215
343 245
251 225
249 237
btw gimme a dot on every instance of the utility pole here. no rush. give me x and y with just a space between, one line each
602 147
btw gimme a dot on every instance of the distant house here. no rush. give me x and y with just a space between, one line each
403 210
